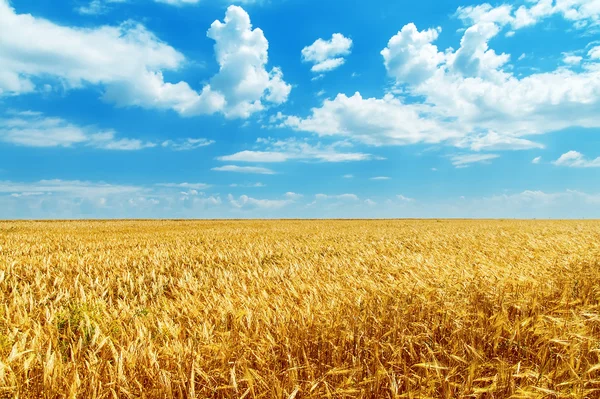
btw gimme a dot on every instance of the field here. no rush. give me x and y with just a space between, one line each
300 309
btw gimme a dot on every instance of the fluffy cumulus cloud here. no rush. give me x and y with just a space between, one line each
242 54
583 13
576 159
327 55
410 55
128 61
374 121
273 150
469 97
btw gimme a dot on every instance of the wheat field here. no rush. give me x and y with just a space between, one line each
300 309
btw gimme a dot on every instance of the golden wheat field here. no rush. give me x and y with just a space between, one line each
300 309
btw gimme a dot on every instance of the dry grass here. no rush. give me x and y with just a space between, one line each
291 309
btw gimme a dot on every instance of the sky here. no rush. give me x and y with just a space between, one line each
299 109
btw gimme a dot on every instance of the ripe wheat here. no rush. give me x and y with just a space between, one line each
300 309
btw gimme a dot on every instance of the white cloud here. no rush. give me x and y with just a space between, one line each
410 55
576 159
374 121
594 53
76 188
493 141
292 149
348 176
242 53
464 160
96 7
248 185
380 178
341 197
583 13
485 13
292 196
474 58
191 186
244 169
571 59
370 202
327 55
404 199
186 144
467 98
32 129
128 61
536 160
248 202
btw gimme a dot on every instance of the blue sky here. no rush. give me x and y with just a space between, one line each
265 108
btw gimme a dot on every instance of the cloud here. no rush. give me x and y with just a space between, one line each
493 141
583 13
574 159
467 97
67 187
342 197
68 199
348 176
128 61
403 198
242 80
97 7
244 169
248 185
373 121
410 55
33 129
248 202
536 160
191 186
464 160
327 55
571 59
380 178
186 144
292 196
293 149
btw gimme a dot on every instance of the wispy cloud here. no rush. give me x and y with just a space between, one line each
293 149
327 55
194 186
244 169
186 144
574 159
464 160
32 129
245 201
248 185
